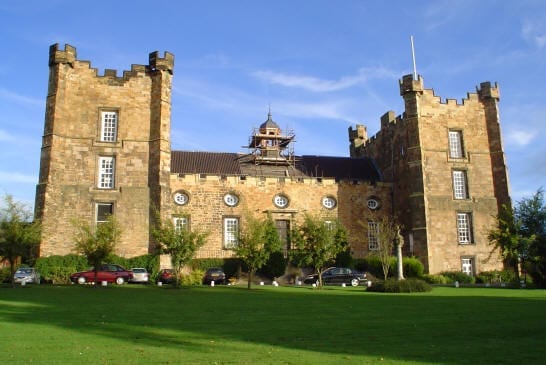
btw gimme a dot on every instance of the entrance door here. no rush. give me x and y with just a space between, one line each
283 229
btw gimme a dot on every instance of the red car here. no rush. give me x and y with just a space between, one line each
110 273
166 276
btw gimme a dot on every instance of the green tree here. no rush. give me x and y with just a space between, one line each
506 238
18 233
530 213
177 242
256 241
387 235
98 242
317 242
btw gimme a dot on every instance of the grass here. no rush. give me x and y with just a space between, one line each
269 325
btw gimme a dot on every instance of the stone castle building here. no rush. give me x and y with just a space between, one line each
438 168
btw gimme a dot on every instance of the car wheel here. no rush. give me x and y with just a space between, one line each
355 282
120 281
81 280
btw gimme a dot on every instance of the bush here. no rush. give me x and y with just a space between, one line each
193 278
275 265
413 268
400 286
4 275
496 277
436 279
57 269
459 276
344 259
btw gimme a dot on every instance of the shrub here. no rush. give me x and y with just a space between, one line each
4 275
436 279
205 264
400 286
413 268
57 269
459 276
275 265
193 278
344 259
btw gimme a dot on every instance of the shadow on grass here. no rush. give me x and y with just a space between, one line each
449 326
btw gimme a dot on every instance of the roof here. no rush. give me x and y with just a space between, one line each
225 163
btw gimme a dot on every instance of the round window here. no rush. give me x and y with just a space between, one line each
329 202
373 204
280 201
181 198
231 199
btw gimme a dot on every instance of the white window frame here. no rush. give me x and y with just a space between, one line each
231 232
456 144
329 202
281 201
373 236
109 126
181 223
464 228
107 168
460 190
467 266
97 216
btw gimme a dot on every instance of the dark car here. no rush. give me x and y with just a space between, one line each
165 276
110 273
214 274
338 275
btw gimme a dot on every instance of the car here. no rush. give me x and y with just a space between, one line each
338 275
27 275
215 274
165 276
140 275
111 273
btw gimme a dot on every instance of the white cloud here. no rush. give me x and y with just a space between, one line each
520 137
20 99
534 31
315 84
16 177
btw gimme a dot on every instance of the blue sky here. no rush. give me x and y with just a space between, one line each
321 66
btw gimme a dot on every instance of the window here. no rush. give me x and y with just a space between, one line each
464 228
329 202
459 185
109 126
231 200
280 201
181 198
106 172
372 203
231 231
373 235
456 144
181 223
103 211
467 266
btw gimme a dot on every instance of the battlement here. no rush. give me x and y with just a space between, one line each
409 84
56 55
165 63
486 91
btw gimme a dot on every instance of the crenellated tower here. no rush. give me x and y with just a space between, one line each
446 162
105 149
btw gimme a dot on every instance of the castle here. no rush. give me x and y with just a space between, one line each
439 168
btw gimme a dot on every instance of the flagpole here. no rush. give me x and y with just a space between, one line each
413 57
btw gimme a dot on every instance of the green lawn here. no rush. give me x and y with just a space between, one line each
269 325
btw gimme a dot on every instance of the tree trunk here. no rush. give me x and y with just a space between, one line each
400 261
250 272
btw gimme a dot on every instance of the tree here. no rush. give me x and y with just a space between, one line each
530 213
256 241
387 234
178 242
506 238
96 243
18 233
317 242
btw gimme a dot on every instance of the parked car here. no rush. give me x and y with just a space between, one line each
166 276
26 274
140 275
110 273
338 275
214 274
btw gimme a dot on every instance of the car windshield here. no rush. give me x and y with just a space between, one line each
24 271
138 270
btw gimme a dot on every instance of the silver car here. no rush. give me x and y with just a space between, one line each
140 275
27 274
